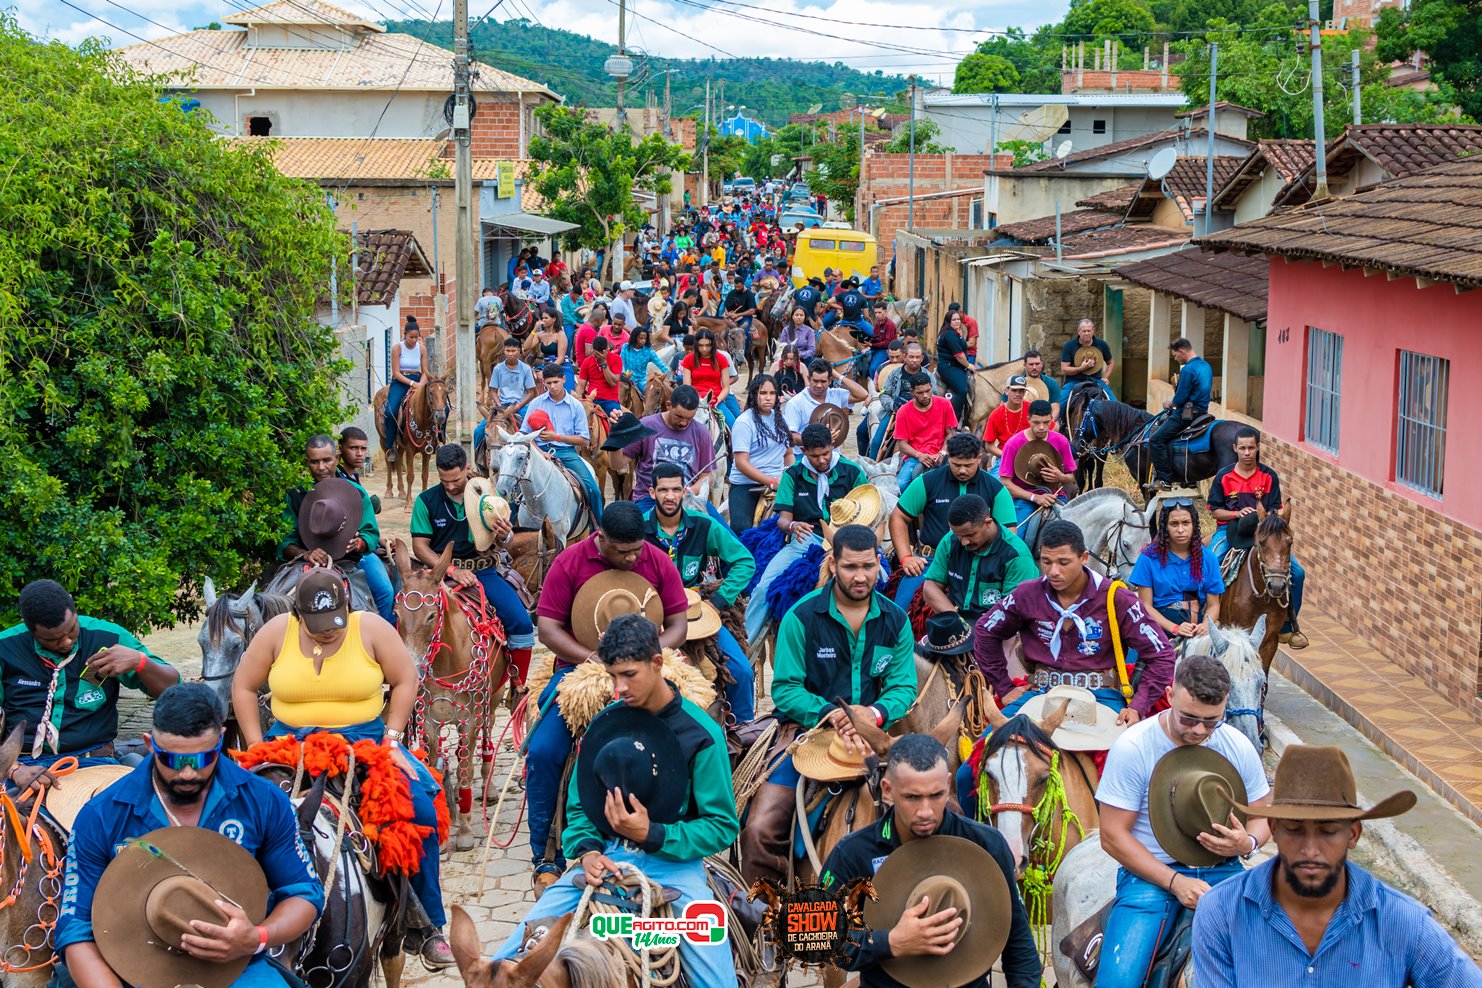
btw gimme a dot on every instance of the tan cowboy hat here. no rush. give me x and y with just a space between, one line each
1193 787
1315 782
1088 725
702 617
824 757
763 505
67 798
1027 452
836 418
155 886
658 307
1095 354
766 284
329 516
950 872
861 506
607 595
1038 389
482 507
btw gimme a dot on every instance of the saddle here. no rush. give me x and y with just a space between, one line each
1083 946
1029 531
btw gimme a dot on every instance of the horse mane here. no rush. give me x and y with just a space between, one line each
1099 494
219 619
273 604
1120 418
1020 726
589 963
1272 524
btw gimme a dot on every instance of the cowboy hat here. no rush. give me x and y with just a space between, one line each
946 634
951 872
482 507
1027 452
1088 725
824 757
836 418
1038 389
702 617
630 749
65 801
1193 787
629 430
1092 351
861 506
1315 782
1241 530
155 886
607 595
329 516
658 306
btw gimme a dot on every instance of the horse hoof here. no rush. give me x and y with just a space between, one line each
465 842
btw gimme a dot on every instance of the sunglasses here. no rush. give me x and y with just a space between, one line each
175 761
1189 722
1177 502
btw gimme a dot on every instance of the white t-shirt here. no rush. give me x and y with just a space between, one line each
1129 770
800 408
757 440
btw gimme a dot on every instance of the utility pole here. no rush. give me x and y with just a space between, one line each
859 182
664 204
911 164
705 152
1358 96
1319 129
1214 66
463 182
622 52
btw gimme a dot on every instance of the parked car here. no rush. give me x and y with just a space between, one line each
793 215
799 191
738 186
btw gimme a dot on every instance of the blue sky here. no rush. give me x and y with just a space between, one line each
921 37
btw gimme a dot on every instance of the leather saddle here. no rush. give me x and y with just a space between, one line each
1083 946
1196 428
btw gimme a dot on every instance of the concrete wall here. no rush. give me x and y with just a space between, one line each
1255 201
968 129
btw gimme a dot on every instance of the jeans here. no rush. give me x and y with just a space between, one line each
757 610
1160 445
395 395
1140 916
877 360
741 695
545 757
909 470
954 379
1023 509
906 591
646 504
426 883
878 439
379 580
729 410
260 972
744 499
706 965
503 601
1219 544
607 404
573 461
745 324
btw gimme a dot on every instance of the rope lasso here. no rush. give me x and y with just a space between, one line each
657 967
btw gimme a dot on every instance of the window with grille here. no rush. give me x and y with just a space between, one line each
1420 431
1324 388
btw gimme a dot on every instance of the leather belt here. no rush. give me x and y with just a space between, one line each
475 564
1048 679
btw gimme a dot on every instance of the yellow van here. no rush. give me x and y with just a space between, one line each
851 251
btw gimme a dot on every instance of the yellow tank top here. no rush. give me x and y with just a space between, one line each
345 691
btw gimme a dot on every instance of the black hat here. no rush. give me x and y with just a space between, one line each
1242 534
629 430
630 749
946 634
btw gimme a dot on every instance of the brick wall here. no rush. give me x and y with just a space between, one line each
406 207
1131 81
496 131
1408 597
887 176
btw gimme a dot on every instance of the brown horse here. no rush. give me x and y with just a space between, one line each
490 349
1261 584
532 552
31 867
462 662
989 384
598 426
421 427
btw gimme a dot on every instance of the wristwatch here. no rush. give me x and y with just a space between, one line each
394 736
1254 847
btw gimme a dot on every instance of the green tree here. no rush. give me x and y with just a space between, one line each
587 175
1037 60
979 73
1450 33
836 174
1130 22
927 132
727 154
162 364
1024 152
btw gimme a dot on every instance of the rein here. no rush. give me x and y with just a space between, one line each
49 885
1284 598
1114 543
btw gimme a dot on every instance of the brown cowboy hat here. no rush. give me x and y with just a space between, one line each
1193 787
1095 354
836 418
1027 452
329 517
607 595
1315 782
155 886
1038 389
482 507
703 620
951 872
66 799
824 757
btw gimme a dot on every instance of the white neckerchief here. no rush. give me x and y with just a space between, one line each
1069 613
822 479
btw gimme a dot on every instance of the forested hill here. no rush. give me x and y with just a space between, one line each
571 64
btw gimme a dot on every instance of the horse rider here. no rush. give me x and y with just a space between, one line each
1243 488
408 369
1066 637
1078 374
916 785
872 287
60 673
842 641
895 393
921 429
565 431
618 544
824 387
885 333
185 783
703 550
1161 871
976 564
657 797
1035 376
488 308
740 306
821 476
354 451
440 519
353 537
326 669
1008 419
1190 400
1030 496
513 384
672 436
1310 915
1176 576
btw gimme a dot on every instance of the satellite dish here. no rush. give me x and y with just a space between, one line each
1162 163
1063 149
1038 124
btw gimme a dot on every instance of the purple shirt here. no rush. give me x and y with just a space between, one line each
804 337
580 562
691 448
1029 612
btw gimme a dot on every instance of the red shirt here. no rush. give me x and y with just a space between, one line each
926 431
585 334
970 334
582 561
1003 424
596 381
554 271
711 381
615 339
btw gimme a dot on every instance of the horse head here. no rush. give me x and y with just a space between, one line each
1273 551
1238 650
420 603
11 749
439 404
535 967
510 461
1017 764
230 623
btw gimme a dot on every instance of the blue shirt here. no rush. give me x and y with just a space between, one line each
1170 580
568 417
1378 938
872 287
239 805
1194 383
511 382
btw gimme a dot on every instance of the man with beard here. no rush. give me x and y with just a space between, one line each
186 783
1309 915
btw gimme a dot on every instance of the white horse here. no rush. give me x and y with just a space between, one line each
720 438
1238 650
1115 528
529 479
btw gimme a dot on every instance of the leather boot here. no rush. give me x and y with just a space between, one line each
766 838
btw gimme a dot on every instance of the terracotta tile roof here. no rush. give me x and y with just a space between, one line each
1233 283
1399 149
1123 239
386 257
1114 200
1289 157
1184 183
1192 138
1041 229
1426 225
300 12
1224 104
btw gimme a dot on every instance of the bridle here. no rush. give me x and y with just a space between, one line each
252 616
521 481
1118 549
1020 741
1267 572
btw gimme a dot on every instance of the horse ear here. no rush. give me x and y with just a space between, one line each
11 749
443 563
1217 637
533 965
871 735
468 950
308 809
1258 633
505 435
996 718
1055 717
401 557
947 728
208 591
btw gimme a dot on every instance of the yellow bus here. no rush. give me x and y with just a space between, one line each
851 251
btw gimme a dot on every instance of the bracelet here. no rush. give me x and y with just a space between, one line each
1171 879
395 735
143 661
262 940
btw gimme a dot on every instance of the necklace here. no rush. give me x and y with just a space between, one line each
165 804
318 651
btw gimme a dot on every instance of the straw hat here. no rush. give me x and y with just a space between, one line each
155 886
1315 782
1038 389
861 506
951 872
1088 725
482 507
824 757
702 617
607 595
329 517
66 799
1193 787
1094 353
1022 465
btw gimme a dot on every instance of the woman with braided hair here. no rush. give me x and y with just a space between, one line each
1177 573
